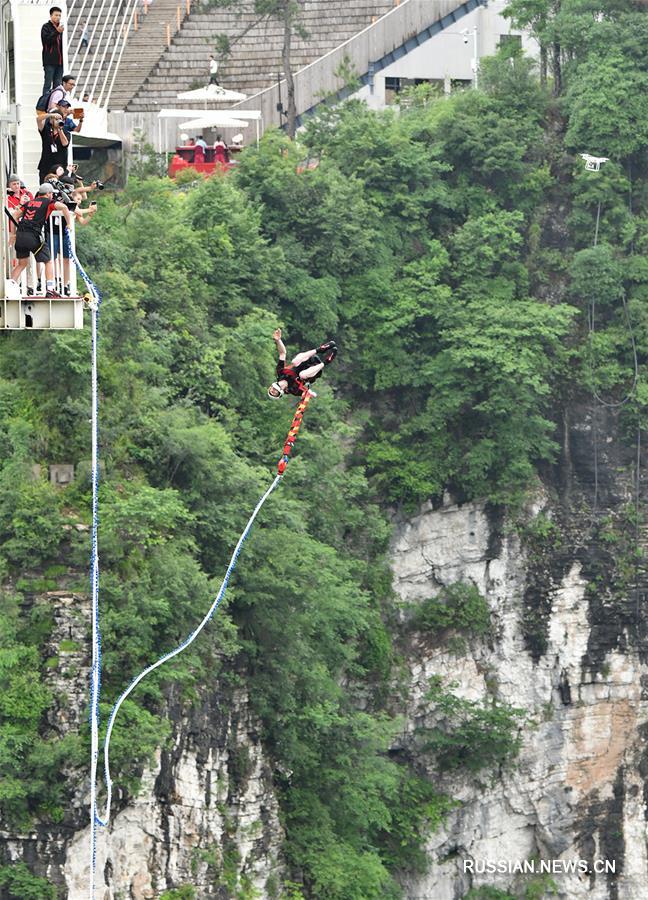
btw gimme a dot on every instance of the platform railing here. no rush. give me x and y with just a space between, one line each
32 282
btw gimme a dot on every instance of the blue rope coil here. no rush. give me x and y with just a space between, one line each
183 646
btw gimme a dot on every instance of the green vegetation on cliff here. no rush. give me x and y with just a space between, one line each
448 249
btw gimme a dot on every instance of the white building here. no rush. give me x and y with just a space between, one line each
448 58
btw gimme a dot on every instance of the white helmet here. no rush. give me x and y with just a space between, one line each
275 391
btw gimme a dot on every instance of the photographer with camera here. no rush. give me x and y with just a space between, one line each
62 185
55 143
66 192
29 235
84 189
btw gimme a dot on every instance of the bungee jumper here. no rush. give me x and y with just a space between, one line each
304 368
292 379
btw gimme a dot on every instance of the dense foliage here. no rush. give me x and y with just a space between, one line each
448 249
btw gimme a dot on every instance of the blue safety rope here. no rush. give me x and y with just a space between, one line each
95 672
183 646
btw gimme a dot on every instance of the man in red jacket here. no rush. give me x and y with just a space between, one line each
52 41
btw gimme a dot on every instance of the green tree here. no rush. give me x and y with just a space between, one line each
288 13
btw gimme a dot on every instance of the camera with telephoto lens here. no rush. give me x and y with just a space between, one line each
100 185
61 194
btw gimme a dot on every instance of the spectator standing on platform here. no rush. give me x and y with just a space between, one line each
29 236
17 193
85 36
201 142
63 91
213 70
52 43
55 144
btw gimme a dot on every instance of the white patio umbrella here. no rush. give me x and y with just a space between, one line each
214 93
180 113
214 121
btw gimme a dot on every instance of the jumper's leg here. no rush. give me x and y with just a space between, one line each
311 372
302 357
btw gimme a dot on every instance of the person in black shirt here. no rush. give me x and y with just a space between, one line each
304 368
52 43
29 234
55 144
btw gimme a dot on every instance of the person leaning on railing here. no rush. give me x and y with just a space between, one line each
34 217
81 217
83 189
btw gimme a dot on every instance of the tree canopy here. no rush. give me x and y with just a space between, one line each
448 248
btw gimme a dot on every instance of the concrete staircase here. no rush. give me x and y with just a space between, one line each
144 47
256 58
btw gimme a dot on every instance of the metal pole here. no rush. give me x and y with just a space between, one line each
133 17
598 219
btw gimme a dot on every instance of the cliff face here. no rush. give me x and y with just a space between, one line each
205 815
566 647
565 587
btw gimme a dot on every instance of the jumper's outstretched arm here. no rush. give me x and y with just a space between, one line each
281 347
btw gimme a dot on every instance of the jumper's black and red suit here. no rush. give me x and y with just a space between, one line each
305 368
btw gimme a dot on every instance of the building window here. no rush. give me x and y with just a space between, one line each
511 43
392 89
